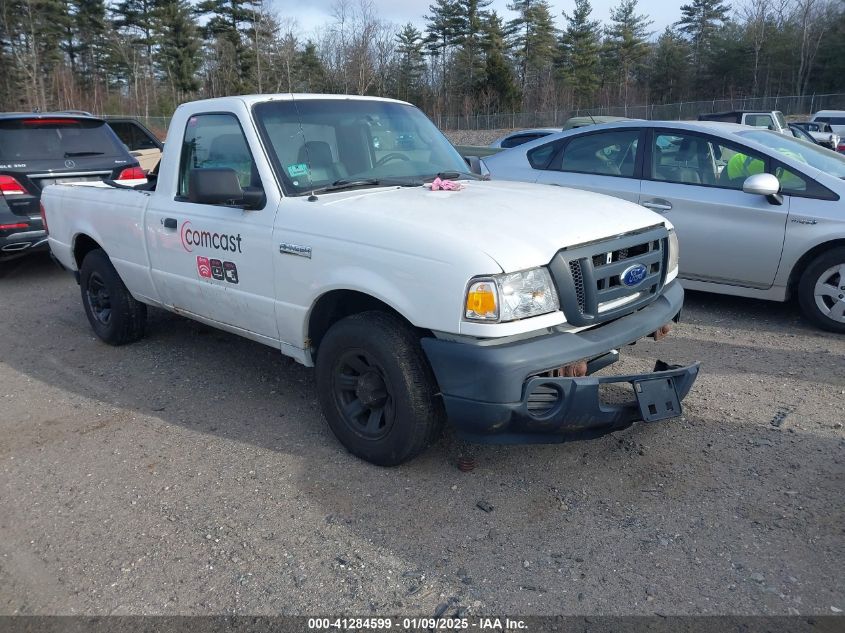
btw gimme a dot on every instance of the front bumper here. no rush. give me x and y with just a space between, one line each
490 390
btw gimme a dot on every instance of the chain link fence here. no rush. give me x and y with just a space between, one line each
790 106
684 110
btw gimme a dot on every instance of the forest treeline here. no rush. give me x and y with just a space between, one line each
147 56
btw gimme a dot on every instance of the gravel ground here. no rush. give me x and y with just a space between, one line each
192 473
474 137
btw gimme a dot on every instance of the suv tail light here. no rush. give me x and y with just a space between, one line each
12 227
132 173
43 216
11 187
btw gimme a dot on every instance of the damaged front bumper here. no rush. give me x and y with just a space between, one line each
503 393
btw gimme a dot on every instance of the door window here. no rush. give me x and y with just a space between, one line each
610 153
216 140
513 141
760 120
691 159
133 136
539 157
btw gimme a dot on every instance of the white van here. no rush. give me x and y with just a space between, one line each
836 119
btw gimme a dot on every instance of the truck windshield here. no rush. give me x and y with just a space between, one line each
316 143
814 155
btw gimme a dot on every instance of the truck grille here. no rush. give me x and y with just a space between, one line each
578 282
591 278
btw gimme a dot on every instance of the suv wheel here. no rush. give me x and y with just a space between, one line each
114 314
821 291
376 388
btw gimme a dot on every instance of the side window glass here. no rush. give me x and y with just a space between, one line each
760 120
216 140
142 139
539 157
735 165
611 153
790 182
124 133
684 158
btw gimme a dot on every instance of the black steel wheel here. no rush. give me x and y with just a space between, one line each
98 298
363 395
376 388
114 314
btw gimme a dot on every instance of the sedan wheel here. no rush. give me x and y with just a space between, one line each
821 290
830 293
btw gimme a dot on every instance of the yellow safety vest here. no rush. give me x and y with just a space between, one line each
743 166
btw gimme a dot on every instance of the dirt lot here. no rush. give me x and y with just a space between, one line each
193 473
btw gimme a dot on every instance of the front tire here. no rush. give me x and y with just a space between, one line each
821 291
115 315
376 388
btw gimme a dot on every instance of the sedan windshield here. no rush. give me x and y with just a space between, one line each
814 155
342 143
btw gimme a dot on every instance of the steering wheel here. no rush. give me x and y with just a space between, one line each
389 157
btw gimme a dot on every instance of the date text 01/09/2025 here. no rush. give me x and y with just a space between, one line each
416 624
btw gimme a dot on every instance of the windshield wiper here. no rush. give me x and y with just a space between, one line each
452 175
69 154
351 183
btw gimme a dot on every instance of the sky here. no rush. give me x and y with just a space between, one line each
311 15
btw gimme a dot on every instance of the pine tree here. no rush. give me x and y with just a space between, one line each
411 63
500 83
699 21
442 25
580 52
310 72
177 60
231 24
532 38
89 24
669 68
626 43
468 32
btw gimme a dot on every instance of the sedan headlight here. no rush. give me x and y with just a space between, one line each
511 296
673 251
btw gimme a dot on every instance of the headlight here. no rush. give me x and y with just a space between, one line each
511 296
673 251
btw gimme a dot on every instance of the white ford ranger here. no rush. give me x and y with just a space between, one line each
319 225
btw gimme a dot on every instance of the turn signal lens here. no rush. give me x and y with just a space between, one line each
674 251
482 301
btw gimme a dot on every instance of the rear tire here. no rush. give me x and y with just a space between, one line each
115 315
376 388
821 291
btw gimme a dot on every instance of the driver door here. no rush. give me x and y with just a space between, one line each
725 235
215 261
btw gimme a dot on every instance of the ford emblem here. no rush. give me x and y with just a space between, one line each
633 275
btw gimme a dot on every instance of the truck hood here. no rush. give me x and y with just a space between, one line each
519 225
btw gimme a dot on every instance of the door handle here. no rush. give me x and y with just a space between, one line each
169 223
657 206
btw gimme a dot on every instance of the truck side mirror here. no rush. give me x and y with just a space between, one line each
764 185
220 185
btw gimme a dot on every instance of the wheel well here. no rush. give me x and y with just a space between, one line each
804 261
338 304
81 247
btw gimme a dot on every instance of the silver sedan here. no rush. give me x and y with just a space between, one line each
758 214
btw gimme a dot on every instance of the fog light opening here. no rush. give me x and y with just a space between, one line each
662 332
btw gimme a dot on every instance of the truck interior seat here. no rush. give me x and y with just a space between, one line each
318 156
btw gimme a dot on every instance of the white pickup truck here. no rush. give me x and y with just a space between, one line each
346 232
